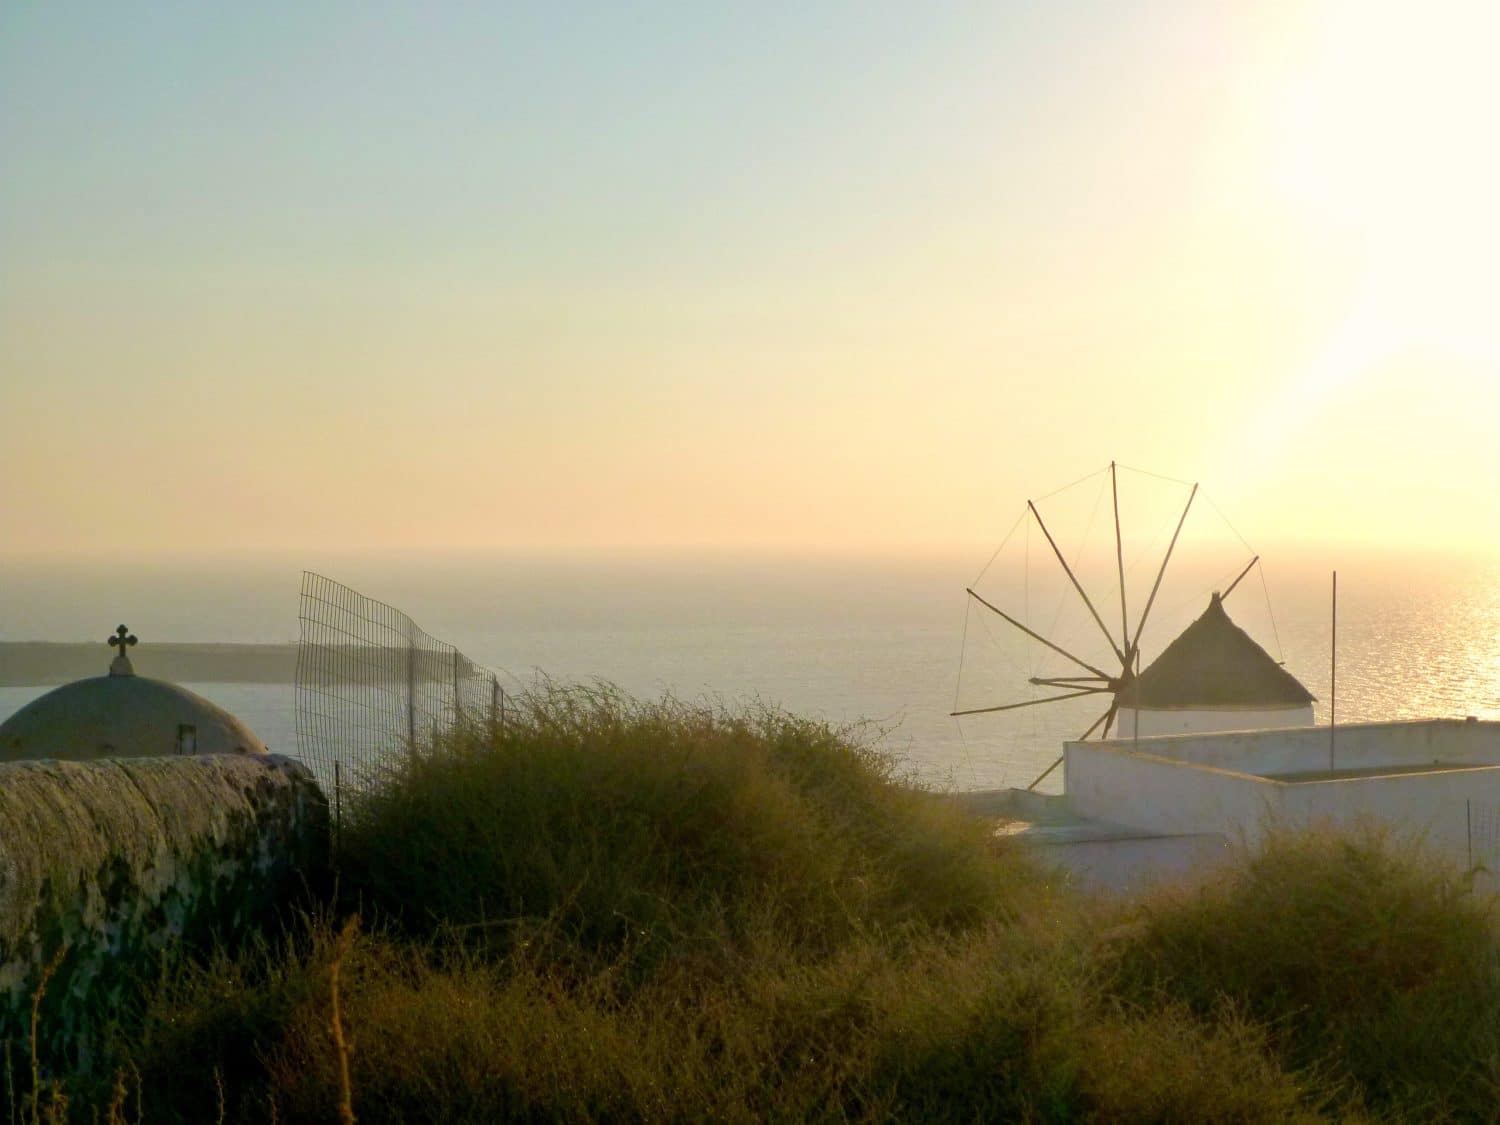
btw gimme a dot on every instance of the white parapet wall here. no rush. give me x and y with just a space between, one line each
1433 780
1435 808
1306 749
1111 782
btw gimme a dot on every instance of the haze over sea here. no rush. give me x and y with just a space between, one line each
846 637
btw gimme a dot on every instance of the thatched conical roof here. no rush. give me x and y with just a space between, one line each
1214 665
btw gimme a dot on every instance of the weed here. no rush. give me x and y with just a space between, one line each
341 1045
627 911
1362 956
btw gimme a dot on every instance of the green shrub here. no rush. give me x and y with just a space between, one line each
604 825
204 1030
1001 1023
1164 1064
654 906
1364 957
626 912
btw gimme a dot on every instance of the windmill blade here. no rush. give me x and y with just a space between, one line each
1041 777
1068 681
1084 664
1104 718
1110 717
1114 485
1068 570
1027 703
1242 574
1160 574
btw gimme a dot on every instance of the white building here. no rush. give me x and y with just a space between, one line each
1215 745
1426 778
1140 810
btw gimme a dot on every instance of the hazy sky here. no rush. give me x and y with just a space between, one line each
816 274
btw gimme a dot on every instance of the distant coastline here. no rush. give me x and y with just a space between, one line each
43 663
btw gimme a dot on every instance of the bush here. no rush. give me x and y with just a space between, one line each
1365 958
1003 1022
628 911
611 909
602 825
204 1030
1163 1064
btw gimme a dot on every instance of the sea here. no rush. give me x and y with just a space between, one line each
887 643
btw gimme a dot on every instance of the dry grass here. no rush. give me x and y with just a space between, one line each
612 829
1368 961
629 911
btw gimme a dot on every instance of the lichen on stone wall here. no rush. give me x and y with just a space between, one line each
115 863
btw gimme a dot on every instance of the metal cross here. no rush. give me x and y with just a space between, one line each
122 638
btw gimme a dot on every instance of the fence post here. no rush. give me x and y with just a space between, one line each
411 691
348 686
338 809
458 707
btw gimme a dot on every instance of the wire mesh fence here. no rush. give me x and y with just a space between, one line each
371 684
1483 822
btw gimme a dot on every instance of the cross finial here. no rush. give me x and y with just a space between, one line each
122 640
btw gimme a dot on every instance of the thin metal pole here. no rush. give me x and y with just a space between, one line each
1333 674
411 691
458 707
1135 727
338 807
502 710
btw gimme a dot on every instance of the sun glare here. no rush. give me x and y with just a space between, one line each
1376 137
1386 138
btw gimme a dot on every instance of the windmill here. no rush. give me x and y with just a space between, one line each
1107 671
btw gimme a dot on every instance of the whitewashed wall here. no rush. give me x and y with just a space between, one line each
1109 782
1431 807
1355 746
1133 865
1212 783
1159 722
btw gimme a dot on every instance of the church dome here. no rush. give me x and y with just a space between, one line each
122 715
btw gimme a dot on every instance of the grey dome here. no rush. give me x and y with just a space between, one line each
122 716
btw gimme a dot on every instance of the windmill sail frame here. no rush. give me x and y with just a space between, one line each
1126 650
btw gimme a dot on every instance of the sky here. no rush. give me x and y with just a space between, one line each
569 276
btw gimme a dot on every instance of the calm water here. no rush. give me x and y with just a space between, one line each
844 639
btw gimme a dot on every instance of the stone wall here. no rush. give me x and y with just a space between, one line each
108 865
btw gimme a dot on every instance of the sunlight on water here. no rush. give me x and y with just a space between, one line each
843 641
